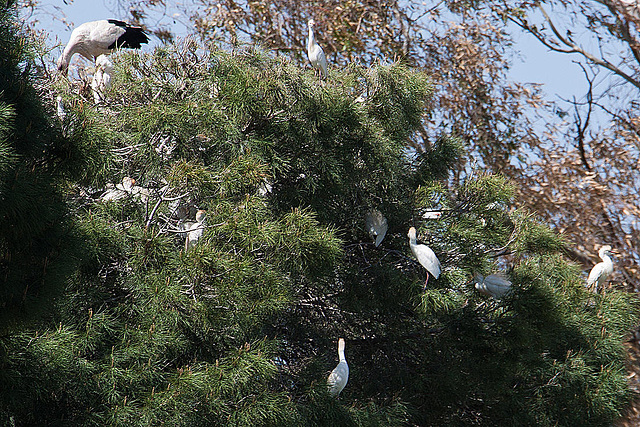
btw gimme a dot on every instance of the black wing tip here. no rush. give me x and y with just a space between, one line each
133 37
129 28
116 22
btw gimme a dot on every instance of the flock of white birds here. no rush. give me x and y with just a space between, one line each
95 40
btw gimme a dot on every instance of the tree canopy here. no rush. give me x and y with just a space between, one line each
242 328
553 149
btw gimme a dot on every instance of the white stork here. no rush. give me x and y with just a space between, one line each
426 257
376 225
494 285
601 270
340 374
101 78
314 51
96 38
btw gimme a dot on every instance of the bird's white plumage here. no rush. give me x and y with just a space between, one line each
376 225
426 257
601 271
264 189
432 214
121 190
340 375
126 188
127 184
60 111
96 38
494 285
314 51
195 230
101 78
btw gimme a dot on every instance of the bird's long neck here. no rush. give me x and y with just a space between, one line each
312 38
605 258
341 350
65 58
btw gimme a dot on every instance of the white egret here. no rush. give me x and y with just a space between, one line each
264 189
119 190
96 38
126 188
194 232
432 214
601 270
494 285
340 375
376 225
127 184
314 51
101 78
60 108
426 257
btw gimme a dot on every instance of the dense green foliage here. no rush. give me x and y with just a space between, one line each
36 251
241 329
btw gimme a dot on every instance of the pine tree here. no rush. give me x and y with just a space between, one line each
36 241
241 328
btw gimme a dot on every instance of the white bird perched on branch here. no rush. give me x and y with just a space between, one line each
60 108
194 232
264 189
127 188
601 270
432 214
101 78
376 225
340 374
120 191
426 257
96 38
494 285
314 51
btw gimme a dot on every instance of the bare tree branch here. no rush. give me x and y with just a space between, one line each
582 127
574 48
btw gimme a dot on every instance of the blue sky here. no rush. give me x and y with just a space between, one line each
559 75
